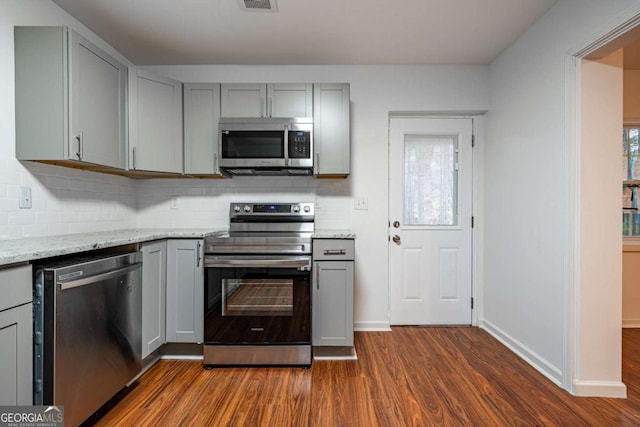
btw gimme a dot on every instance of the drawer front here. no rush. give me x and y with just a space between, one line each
15 286
333 249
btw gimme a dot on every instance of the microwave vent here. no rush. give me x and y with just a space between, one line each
259 5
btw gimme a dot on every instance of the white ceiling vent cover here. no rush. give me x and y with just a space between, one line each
259 5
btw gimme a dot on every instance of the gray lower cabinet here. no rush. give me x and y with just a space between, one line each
155 122
154 294
185 291
331 129
201 133
70 99
16 344
332 297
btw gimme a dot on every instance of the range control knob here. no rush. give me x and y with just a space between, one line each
247 208
307 208
296 209
236 208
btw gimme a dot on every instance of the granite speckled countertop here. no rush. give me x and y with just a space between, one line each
33 248
333 234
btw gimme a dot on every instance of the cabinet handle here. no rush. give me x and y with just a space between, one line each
270 111
262 107
317 277
133 155
199 258
317 163
80 152
335 252
215 163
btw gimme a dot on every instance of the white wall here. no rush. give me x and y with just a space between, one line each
64 200
375 91
526 227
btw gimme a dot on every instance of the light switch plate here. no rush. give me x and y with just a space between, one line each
25 197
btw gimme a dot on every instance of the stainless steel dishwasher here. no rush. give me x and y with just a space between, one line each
87 331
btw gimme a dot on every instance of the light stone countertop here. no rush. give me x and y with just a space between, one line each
333 234
33 248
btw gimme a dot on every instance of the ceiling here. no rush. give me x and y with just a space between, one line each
164 32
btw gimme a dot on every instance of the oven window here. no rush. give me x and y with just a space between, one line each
257 297
253 145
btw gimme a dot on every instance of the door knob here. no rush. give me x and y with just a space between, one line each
396 239
396 224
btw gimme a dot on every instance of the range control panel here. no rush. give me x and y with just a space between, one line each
276 209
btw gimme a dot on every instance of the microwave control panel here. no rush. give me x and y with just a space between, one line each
299 144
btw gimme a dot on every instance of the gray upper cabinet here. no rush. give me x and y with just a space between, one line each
290 100
331 133
267 100
201 134
155 122
70 99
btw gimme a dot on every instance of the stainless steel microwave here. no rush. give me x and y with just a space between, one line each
276 146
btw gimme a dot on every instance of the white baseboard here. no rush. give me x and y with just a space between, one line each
531 357
615 389
181 357
631 323
369 326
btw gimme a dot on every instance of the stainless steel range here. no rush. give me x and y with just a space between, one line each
258 286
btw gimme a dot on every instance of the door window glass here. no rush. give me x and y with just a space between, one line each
430 180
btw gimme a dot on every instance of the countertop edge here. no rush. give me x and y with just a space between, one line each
18 251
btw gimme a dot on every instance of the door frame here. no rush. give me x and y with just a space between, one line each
612 32
477 202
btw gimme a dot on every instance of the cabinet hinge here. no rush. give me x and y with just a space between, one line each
471 303
473 222
473 140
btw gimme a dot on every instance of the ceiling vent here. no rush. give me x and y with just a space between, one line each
259 5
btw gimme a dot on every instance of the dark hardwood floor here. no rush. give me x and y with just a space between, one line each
409 377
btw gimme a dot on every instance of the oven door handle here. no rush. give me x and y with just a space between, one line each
289 262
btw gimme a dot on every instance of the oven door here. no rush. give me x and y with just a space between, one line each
257 300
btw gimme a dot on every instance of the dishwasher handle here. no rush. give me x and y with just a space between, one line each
98 277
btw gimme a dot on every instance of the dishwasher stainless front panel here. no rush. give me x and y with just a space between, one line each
88 332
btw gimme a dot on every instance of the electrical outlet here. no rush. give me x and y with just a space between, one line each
362 203
25 197
174 202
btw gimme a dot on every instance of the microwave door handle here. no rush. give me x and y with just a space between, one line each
286 145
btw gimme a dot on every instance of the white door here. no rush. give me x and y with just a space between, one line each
430 244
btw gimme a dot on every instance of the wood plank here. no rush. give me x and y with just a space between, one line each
412 376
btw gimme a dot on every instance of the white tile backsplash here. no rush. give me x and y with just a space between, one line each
64 200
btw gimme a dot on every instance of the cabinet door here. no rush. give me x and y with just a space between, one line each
155 122
16 360
331 120
154 289
290 100
201 131
243 100
185 291
97 121
332 323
